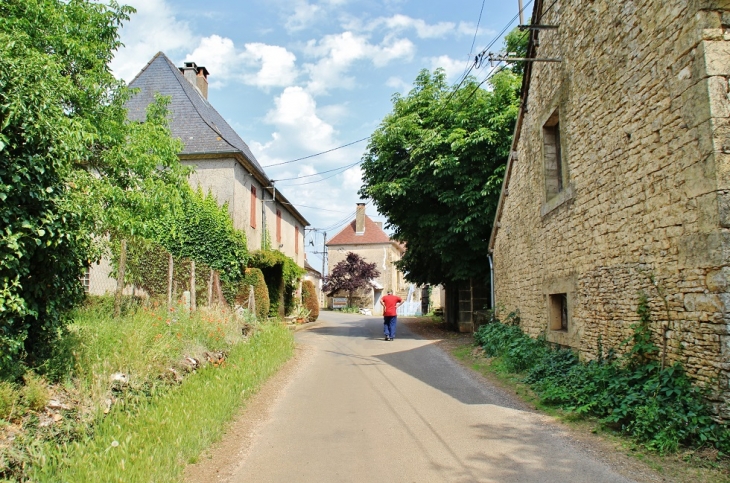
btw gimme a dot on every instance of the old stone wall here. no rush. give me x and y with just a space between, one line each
641 104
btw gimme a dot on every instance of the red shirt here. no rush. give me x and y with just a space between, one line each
390 301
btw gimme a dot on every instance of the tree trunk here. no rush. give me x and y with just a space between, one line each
170 272
120 279
193 306
210 290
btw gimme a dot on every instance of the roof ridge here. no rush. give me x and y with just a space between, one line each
182 81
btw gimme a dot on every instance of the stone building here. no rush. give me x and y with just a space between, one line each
619 181
367 238
221 160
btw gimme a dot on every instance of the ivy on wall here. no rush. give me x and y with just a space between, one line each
281 274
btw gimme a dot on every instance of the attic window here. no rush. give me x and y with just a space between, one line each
552 155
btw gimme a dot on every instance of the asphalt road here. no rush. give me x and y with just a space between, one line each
365 410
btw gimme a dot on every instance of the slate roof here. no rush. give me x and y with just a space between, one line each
373 235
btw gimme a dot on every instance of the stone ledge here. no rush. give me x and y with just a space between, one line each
553 203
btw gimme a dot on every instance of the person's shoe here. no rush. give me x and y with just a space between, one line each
387 338
390 338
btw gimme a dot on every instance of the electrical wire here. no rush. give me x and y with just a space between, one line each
474 40
314 208
317 174
317 154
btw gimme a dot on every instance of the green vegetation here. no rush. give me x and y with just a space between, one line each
160 383
309 300
350 275
434 168
254 276
281 274
656 406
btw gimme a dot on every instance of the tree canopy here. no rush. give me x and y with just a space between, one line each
434 168
350 275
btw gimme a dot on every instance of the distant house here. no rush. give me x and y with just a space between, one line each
315 277
222 161
619 182
367 238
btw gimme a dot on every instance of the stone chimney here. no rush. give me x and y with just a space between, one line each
197 76
360 219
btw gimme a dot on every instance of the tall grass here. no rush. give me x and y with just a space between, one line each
134 410
155 441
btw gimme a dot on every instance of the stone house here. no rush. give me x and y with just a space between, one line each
222 161
619 181
367 238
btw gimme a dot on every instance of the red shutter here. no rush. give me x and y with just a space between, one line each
296 239
278 227
253 207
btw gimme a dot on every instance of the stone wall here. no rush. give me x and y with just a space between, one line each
642 100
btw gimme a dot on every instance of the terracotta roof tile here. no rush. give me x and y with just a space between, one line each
373 235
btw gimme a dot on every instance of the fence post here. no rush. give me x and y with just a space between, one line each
210 290
120 278
170 271
193 306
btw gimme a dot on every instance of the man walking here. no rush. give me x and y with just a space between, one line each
390 305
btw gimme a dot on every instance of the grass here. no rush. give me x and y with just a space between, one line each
133 410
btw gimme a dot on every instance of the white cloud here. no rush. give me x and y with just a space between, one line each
295 116
258 64
305 14
401 23
454 68
152 29
338 52
398 84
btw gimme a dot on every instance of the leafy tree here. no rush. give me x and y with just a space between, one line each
350 275
434 168
60 110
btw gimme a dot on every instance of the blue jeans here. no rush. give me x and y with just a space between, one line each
389 325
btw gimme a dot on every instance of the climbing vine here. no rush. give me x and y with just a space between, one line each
281 274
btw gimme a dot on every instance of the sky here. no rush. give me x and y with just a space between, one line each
296 78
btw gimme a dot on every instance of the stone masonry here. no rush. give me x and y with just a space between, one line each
637 117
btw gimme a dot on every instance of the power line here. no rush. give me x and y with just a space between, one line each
474 40
314 208
317 154
340 170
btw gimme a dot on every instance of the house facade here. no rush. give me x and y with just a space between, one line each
367 238
619 181
221 160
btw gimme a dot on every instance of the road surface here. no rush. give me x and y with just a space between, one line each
365 410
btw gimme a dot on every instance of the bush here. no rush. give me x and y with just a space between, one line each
309 299
8 399
657 407
253 276
35 392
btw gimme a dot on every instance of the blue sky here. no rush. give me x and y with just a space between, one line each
298 77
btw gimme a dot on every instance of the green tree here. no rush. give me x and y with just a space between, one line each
434 168
60 109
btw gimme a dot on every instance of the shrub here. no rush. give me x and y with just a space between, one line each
657 407
254 276
8 399
309 299
35 391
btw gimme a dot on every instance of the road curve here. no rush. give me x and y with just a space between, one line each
365 410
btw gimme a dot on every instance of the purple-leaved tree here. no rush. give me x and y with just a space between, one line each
349 275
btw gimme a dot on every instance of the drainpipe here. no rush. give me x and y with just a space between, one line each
491 281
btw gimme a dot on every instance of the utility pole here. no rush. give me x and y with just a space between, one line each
522 17
324 253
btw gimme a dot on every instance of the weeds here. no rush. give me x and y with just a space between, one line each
658 407
8 399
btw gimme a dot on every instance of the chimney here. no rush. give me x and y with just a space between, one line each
197 76
360 219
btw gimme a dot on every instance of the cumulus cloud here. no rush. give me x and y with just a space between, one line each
258 64
152 29
401 23
398 84
338 52
295 116
305 14
453 68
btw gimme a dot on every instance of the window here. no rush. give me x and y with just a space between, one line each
296 240
553 156
558 311
278 227
253 207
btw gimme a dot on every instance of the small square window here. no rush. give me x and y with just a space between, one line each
558 311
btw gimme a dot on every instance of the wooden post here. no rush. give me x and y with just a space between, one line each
170 272
120 279
193 306
210 290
